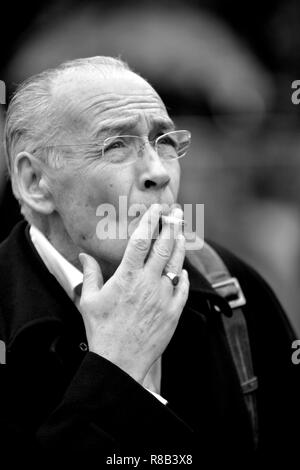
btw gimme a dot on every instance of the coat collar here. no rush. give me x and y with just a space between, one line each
32 296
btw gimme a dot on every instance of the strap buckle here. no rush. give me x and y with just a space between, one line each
250 385
232 293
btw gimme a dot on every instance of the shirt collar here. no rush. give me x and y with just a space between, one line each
69 277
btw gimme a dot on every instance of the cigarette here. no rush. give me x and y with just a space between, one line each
172 220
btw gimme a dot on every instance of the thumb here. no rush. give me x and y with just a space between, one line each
92 275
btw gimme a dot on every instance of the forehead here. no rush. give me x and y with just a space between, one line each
89 102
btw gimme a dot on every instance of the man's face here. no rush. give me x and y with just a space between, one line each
91 110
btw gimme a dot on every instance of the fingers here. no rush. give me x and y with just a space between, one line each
175 263
140 241
181 292
92 275
167 252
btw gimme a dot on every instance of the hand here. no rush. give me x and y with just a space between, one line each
132 317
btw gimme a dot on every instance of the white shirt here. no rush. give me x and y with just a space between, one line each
70 278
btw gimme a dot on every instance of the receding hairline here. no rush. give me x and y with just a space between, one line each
38 95
73 80
31 118
94 89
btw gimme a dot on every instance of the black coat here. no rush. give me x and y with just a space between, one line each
56 399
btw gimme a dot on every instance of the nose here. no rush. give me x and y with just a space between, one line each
152 174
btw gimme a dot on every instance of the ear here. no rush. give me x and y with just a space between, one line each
32 186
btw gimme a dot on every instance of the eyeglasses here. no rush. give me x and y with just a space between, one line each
126 149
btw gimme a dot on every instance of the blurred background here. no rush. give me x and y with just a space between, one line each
224 70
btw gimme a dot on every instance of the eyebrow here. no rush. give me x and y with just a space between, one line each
125 124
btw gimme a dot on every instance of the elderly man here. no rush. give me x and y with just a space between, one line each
115 347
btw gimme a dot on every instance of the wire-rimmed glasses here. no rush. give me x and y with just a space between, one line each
126 149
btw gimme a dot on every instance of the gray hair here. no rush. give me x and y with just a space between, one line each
31 121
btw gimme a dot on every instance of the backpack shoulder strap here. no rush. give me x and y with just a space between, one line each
212 267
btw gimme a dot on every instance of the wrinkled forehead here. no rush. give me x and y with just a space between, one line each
91 104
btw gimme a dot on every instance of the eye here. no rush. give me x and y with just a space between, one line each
168 141
114 145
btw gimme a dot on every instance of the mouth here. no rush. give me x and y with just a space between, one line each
165 217
166 209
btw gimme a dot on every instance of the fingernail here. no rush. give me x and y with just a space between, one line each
82 258
177 212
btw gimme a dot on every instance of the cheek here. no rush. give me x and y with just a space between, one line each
81 195
174 173
108 188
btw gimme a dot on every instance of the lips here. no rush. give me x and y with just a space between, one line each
166 208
